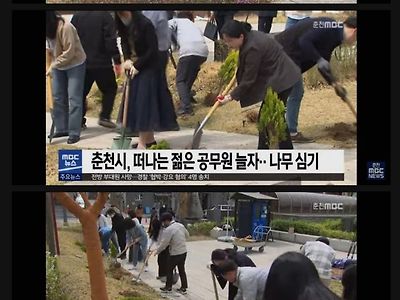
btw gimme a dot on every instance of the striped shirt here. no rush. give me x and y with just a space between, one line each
321 255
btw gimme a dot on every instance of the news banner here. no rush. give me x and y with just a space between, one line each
200 165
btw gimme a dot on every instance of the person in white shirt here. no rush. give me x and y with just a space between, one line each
322 255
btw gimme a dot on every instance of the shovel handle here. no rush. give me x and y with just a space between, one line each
350 106
49 88
216 104
126 100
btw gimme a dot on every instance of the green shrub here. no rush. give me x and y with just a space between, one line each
201 228
161 145
113 251
228 67
53 288
330 228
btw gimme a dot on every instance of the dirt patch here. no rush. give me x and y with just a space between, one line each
75 276
342 132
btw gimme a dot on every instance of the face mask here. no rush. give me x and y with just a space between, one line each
126 21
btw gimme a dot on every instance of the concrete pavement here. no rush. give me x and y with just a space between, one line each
97 137
199 277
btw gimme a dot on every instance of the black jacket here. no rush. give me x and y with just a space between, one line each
262 63
98 36
117 223
309 40
267 13
242 260
139 38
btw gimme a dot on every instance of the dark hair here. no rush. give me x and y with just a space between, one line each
228 266
304 283
323 239
234 28
52 19
140 206
186 15
349 282
351 22
137 23
218 254
110 211
131 213
166 217
128 223
155 229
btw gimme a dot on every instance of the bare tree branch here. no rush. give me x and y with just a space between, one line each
69 204
99 203
85 198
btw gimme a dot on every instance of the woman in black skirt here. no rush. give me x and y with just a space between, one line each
150 106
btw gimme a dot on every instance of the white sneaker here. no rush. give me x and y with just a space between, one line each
133 268
146 269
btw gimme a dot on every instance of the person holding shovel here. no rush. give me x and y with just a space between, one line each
193 52
174 236
67 71
250 281
262 63
150 106
311 42
136 237
117 221
218 257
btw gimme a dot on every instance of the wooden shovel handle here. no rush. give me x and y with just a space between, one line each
49 88
126 100
225 91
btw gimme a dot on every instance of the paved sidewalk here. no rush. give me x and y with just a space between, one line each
199 277
97 137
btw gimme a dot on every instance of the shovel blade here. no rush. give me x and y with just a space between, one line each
121 142
195 144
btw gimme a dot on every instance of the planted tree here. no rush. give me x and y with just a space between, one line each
272 119
88 218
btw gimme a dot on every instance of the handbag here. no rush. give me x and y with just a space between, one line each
211 30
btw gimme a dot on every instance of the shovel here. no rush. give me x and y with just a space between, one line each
172 58
49 95
137 279
198 132
123 142
345 99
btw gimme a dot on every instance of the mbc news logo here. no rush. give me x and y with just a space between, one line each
69 165
327 24
376 170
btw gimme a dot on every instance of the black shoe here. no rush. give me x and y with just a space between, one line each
182 113
83 127
58 134
300 138
166 290
106 123
148 145
73 139
182 291
193 100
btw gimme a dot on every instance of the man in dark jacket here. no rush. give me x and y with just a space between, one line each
265 18
218 257
97 33
117 226
311 42
221 17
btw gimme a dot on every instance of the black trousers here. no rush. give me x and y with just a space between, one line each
121 235
221 20
186 73
162 261
173 261
105 80
263 136
265 24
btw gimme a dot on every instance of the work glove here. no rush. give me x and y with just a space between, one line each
325 69
129 68
224 99
340 91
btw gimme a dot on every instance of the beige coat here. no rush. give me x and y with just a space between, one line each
68 48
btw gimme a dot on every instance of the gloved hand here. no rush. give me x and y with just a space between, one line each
340 91
224 99
325 69
128 66
117 70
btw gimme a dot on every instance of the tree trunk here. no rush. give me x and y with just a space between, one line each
88 219
50 230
